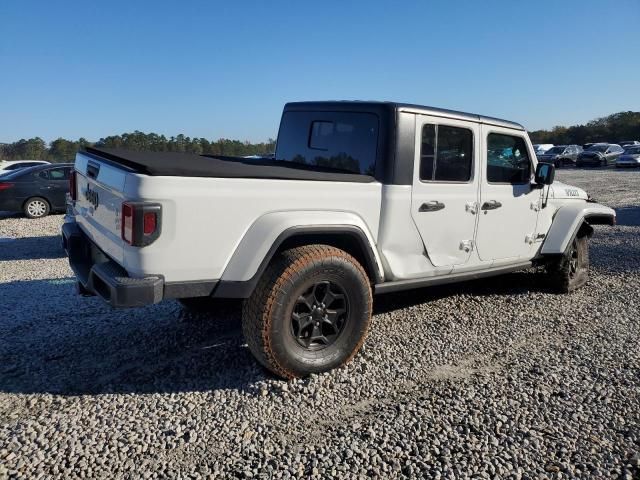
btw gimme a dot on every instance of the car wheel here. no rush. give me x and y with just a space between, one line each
571 271
603 162
309 313
558 163
36 207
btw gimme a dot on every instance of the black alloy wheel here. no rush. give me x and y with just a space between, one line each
319 315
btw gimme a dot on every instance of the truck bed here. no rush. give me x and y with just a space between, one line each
191 165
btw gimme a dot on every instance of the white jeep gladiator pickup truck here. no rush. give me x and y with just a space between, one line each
361 198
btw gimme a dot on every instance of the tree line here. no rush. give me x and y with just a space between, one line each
63 150
613 128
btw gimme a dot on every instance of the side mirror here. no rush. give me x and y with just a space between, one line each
545 173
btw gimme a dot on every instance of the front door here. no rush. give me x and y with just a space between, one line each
508 203
445 187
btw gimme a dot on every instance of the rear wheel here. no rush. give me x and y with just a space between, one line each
309 313
571 271
36 207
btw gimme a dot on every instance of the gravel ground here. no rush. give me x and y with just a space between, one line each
493 379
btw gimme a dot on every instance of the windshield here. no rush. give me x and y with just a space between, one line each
635 150
555 150
598 148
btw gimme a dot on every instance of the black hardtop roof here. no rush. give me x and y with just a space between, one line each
344 105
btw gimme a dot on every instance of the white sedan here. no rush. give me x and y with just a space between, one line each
7 166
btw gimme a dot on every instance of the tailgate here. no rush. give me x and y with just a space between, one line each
99 203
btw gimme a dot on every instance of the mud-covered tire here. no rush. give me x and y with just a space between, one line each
571 271
293 326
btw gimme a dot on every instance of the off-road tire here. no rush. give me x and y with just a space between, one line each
36 207
269 314
571 271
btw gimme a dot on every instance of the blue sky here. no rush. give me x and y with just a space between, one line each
224 69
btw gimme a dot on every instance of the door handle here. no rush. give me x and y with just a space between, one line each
491 205
432 206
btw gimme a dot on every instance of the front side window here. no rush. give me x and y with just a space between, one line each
334 141
507 159
446 153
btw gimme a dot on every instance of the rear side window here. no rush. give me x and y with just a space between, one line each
507 159
334 141
59 174
446 154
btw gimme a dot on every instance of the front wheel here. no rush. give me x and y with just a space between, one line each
36 207
309 313
571 271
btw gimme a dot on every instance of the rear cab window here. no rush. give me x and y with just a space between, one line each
331 141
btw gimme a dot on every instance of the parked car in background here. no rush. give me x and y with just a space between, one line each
10 166
541 148
630 157
627 143
599 155
587 146
36 191
561 155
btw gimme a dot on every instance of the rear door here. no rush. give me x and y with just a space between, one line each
58 185
509 204
445 188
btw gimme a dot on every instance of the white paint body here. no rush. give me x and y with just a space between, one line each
222 228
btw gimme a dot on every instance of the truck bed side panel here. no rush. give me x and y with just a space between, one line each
205 219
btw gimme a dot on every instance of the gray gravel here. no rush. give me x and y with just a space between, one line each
493 379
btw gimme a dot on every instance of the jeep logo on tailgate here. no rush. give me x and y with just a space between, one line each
91 196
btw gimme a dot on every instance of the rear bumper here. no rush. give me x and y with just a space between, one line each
99 275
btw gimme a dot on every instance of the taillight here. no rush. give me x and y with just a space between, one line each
127 223
149 223
140 223
73 185
5 185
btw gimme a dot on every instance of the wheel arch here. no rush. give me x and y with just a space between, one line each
575 220
240 276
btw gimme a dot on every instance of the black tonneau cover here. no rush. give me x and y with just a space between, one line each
192 165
